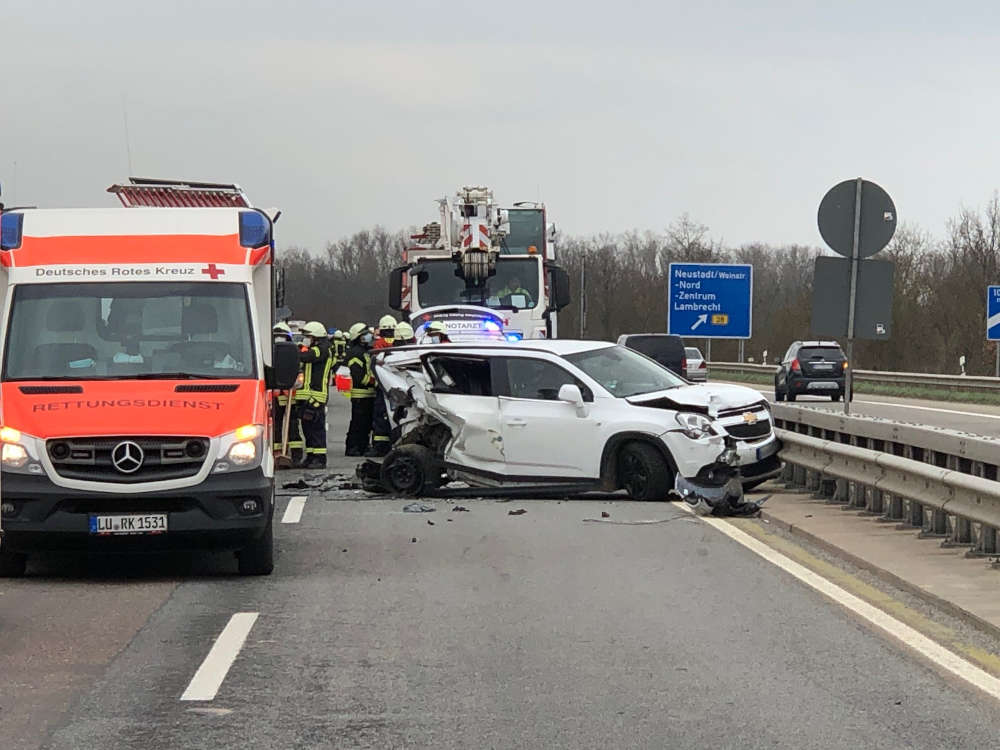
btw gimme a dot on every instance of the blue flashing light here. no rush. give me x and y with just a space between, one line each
490 325
255 229
11 230
514 337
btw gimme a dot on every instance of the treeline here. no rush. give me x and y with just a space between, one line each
939 303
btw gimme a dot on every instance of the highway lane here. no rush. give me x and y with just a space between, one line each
974 418
489 630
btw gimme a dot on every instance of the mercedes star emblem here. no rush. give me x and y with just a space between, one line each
127 457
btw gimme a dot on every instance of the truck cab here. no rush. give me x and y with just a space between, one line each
135 382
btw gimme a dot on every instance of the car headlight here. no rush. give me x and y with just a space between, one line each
240 449
20 452
694 425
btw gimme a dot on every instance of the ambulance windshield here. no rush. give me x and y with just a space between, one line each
129 330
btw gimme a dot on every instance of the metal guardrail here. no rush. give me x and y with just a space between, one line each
943 482
971 383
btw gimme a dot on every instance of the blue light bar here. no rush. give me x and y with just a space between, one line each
255 229
11 228
514 337
490 325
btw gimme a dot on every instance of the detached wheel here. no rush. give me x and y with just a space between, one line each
410 470
258 558
12 564
643 473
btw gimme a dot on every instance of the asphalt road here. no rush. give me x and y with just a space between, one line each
490 630
975 418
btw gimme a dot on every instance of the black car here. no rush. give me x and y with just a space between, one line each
816 368
666 349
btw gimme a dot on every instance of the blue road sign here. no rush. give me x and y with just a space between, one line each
710 300
993 313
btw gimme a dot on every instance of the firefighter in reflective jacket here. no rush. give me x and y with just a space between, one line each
296 441
339 348
386 332
359 360
316 361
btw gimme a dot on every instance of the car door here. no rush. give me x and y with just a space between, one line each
543 436
786 363
463 396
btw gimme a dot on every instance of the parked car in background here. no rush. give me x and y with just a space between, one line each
695 366
666 349
815 368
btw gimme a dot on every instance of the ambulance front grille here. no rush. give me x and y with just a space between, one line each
127 460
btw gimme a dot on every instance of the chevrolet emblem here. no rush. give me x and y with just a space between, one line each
750 418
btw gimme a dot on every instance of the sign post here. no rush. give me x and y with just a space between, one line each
857 218
710 300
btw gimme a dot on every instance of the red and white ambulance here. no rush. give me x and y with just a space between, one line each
137 365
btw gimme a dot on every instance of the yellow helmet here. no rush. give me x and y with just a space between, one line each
356 331
282 327
315 329
386 321
436 327
404 331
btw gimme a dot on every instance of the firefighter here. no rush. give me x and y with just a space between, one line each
359 360
437 333
385 333
404 334
514 288
296 441
316 361
339 348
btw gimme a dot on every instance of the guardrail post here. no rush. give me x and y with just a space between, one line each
812 480
913 514
935 523
960 532
827 488
984 539
893 508
873 501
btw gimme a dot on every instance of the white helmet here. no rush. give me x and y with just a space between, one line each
315 329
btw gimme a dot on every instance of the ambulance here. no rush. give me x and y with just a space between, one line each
137 369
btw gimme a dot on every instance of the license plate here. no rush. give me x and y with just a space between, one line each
822 366
821 386
148 523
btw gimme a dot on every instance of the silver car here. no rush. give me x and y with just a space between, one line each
695 366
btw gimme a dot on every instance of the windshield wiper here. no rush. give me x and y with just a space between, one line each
171 376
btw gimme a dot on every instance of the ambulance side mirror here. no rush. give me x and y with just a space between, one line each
285 367
559 288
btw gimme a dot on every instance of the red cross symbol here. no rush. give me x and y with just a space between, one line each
214 271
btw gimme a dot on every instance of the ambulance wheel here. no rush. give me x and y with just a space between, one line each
12 564
410 470
258 558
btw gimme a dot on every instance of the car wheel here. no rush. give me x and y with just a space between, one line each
410 470
12 564
779 395
643 473
257 559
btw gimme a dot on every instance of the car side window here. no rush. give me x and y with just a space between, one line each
469 376
540 379
790 354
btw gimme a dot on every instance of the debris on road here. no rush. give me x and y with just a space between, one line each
418 508
459 509
605 514
430 522
414 539
518 512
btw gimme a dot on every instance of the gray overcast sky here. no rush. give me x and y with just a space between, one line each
618 115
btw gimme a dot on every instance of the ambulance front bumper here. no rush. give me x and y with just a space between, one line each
223 512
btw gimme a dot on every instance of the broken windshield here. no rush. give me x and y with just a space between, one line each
624 372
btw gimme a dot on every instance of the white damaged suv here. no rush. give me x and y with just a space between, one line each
561 413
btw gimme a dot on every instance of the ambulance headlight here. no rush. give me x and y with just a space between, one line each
19 453
240 449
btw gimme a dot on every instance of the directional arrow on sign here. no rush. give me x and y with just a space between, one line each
701 319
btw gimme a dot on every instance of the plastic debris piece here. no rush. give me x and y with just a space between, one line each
418 508
459 509
605 514
518 512
413 540
430 522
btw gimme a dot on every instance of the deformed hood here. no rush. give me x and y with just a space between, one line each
708 398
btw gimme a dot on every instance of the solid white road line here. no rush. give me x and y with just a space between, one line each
900 631
293 513
208 679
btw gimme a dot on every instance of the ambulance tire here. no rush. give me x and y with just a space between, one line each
258 558
12 564
410 470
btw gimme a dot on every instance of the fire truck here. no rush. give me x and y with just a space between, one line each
482 269
136 375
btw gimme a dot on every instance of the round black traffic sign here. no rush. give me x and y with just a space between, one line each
836 218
